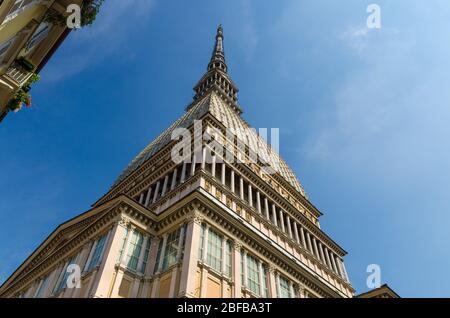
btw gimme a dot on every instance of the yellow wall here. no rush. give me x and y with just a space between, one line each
11 28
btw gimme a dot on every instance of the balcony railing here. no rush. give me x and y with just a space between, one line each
18 74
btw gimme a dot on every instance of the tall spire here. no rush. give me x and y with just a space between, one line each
218 56
216 78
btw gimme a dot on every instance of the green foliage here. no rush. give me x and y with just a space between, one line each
22 96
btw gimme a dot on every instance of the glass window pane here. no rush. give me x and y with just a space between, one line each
214 251
134 250
285 291
171 252
253 274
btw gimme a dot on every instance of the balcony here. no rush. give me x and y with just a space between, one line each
18 74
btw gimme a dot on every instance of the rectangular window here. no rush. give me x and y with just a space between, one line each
42 287
146 254
38 35
253 274
97 253
285 291
172 247
214 251
18 5
5 46
65 274
134 250
264 285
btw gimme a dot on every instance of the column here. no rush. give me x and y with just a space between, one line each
224 170
149 194
232 181
213 166
266 208
322 256
327 256
297 239
183 172
101 287
141 198
282 221
204 158
237 270
316 251
277 283
244 255
274 214
308 239
302 236
194 162
241 187
250 195
333 263
344 271
224 258
190 258
273 283
289 228
166 181
155 196
258 202
174 179
338 268
260 277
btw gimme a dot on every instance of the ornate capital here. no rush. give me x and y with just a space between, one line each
272 269
195 217
125 222
237 245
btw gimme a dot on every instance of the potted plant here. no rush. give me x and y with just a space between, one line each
22 96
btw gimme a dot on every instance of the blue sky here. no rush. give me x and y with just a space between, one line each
363 116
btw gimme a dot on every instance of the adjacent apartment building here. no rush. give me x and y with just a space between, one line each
210 226
30 32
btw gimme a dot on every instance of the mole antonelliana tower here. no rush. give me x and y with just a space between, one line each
195 228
